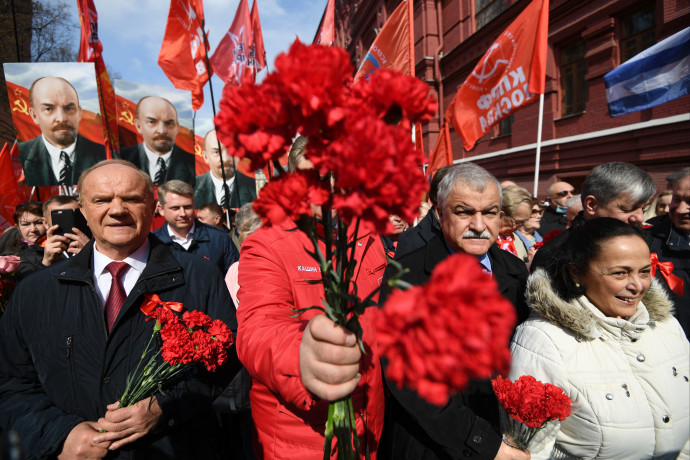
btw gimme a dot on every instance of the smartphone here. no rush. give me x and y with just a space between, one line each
67 219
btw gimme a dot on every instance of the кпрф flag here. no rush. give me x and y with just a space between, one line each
506 78
659 74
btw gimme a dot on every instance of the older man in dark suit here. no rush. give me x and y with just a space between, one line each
59 155
469 208
239 188
158 156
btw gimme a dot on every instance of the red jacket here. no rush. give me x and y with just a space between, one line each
273 272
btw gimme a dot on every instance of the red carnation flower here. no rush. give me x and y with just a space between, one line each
435 345
288 196
221 332
386 91
163 316
196 319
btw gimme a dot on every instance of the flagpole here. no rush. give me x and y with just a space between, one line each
538 159
220 150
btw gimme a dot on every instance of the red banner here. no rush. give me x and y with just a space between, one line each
326 33
394 45
10 193
90 50
186 140
229 60
442 155
258 39
506 78
183 52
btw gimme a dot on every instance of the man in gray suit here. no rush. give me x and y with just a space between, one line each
241 189
59 155
158 156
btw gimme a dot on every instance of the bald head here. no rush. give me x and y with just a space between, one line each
211 155
559 192
117 201
157 123
55 109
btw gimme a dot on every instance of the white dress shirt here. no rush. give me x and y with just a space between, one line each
153 160
185 242
136 261
56 161
218 187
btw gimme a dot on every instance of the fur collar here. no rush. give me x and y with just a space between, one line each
573 316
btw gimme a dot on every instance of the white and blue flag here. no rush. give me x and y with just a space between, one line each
659 74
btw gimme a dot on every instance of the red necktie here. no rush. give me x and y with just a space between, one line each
117 295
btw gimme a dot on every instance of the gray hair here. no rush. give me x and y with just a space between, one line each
469 174
611 180
513 195
572 200
177 187
678 176
246 220
142 175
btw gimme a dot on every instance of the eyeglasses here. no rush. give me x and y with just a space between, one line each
537 212
564 193
517 223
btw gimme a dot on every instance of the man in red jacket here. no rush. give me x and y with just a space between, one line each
300 363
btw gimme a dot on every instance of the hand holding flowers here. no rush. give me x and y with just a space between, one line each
527 406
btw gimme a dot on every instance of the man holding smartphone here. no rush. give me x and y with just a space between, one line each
61 243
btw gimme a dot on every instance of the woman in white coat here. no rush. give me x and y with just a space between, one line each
603 330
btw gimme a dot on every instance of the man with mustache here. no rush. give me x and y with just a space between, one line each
469 208
158 156
59 155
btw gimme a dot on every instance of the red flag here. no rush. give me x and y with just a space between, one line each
90 50
183 52
326 33
258 40
506 77
90 44
442 155
229 61
394 46
418 139
10 194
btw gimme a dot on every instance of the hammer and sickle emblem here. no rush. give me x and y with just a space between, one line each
197 150
21 107
127 117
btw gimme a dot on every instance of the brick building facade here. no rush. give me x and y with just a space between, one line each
587 39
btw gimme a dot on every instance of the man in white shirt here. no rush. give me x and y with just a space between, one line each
185 233
241 189
74 331
59 155
156 121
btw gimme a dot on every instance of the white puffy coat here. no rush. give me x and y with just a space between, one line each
628 379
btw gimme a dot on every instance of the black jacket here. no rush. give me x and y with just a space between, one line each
551 220
665 242
209 242
181 167
243 192
59 366
467 426
419 235
36 160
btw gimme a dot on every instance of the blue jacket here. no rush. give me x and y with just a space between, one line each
209 242
59 366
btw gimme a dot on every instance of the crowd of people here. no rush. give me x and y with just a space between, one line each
600 284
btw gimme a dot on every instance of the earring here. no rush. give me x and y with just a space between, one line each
577 285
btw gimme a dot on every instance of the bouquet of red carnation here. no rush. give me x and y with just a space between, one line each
527 406
365 169
9 265
438 336
195 339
